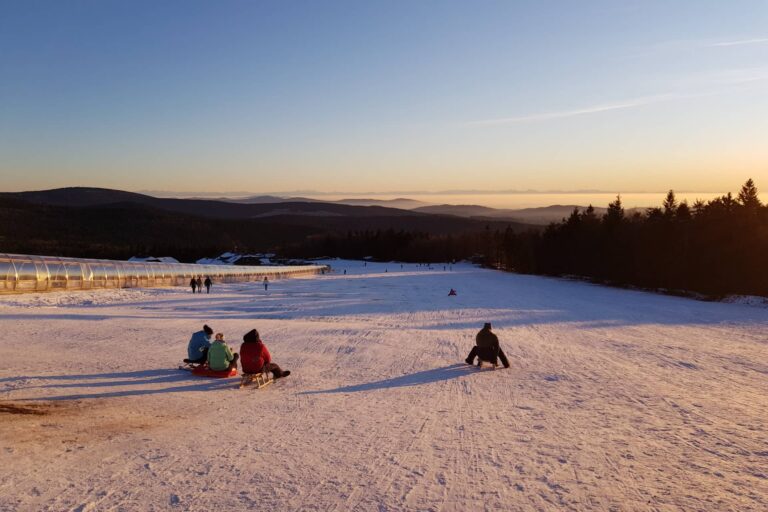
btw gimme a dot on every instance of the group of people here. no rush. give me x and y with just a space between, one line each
254 356
197 283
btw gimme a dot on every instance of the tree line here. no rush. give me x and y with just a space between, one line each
715 248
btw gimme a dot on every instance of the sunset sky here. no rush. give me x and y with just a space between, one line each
356 97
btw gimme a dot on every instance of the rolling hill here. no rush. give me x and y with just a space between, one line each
91 222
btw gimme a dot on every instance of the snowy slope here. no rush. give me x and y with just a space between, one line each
616 400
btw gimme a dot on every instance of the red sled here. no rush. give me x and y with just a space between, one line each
204 371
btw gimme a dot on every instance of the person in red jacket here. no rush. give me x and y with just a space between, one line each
255 358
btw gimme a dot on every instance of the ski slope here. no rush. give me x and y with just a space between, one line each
616 400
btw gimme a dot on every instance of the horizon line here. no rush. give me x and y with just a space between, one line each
403 193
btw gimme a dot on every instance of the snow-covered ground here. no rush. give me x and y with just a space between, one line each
616 399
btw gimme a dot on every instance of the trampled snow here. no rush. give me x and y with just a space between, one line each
616 399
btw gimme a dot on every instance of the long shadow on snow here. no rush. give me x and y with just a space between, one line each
115 375
414 379
112 383
140 378
203 386
137 378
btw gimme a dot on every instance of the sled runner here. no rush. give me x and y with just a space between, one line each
483 362
188 366
256 380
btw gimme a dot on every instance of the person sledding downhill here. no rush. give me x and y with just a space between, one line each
257 362
487 349
220 357
197 349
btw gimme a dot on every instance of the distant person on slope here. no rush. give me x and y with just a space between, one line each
487 348
199 343
208 284
255 357
193 284
220 357
199 283
266 283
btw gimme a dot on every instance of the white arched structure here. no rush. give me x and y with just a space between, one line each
22 273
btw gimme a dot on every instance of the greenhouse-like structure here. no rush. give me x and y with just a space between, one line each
22 273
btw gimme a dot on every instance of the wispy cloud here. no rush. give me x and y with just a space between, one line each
592 109
698 85
740 42
687 45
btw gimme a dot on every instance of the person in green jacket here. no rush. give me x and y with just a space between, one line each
220 357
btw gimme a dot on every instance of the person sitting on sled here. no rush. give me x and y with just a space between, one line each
220 357
487 348
199 343
255 358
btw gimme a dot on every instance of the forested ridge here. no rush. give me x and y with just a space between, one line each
714 248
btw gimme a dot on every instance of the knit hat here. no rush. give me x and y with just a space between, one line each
251 336
207 330
487 325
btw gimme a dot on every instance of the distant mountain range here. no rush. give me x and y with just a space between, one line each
93 222
540 216
400 203
262 206
250 208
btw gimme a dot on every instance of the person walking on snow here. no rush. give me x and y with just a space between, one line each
255 358
220 357
199 343
266 283
193 284
208 284
487 348
199 285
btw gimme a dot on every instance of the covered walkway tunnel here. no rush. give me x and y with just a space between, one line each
22 273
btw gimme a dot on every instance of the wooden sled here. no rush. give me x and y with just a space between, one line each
256 380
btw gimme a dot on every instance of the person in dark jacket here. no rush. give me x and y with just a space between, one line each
255 358
199 285
487 348
193 284
208 284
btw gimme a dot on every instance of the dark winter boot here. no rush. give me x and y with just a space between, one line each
468 361
286 373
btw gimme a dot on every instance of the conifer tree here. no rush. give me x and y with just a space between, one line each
670 204
698 207
683 211
615 211
748 196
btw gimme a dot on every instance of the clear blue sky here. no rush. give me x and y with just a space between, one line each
372 96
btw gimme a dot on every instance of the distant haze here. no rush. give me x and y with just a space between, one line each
532 200
491 200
